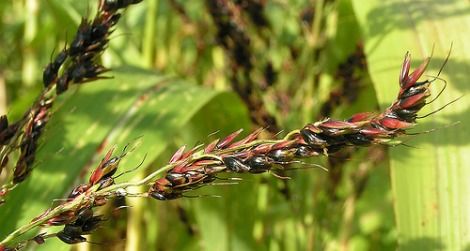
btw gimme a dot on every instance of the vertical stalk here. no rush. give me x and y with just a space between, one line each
148 41
135 228
30 30
316 24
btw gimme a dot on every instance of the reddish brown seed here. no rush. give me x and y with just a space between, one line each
252 136
209 148
106 158
301 141
177 155
413 100
96 176
228 139
263 148
363 116
405 69
392 123
283 144
337 124
160 187
206 162
99 172
190 152
373 131
415 75
162 182
179 167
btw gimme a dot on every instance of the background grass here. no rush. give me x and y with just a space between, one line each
312 59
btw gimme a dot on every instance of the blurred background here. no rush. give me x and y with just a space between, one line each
247 64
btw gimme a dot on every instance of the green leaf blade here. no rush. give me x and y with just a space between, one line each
430 183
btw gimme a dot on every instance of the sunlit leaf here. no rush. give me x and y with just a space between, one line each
430 179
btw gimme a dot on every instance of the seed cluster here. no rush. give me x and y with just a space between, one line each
194 169
84 223
80 220
23 135
89 42
39 116
101 176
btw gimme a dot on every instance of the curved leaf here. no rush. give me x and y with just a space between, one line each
430 182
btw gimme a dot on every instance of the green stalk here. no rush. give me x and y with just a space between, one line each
30 30
148 41
136 211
